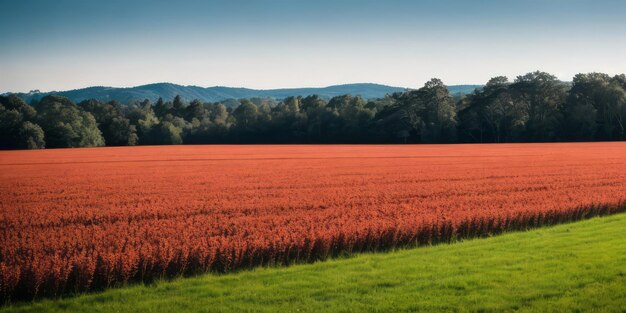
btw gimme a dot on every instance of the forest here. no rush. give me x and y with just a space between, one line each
535 107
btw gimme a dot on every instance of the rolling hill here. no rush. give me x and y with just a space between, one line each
217 93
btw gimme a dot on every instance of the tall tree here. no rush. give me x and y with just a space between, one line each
115 127
439 116
246 116
66 125
491 114
429 113
542 96
197 110
143 116
17 127
31 136
161 107
178 107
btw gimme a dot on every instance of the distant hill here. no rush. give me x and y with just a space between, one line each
212 94
460 90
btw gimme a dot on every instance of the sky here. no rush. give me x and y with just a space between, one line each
68 44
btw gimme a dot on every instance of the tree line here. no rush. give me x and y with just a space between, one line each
535 107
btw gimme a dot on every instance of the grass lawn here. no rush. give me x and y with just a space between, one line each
572 267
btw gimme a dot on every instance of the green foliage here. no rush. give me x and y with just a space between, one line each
116 128
534 107
178 106
538 107
246 115
31 136
541 95
161 107
596 107
142 116
66 125
17 127
167 133
493 114
196 110
529 109
428 113
439 115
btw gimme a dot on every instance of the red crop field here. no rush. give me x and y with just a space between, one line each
74 220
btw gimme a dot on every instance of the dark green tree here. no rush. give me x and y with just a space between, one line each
66 125
115 127
429 113
161 107
17 127
491 114
439 116
142 115
542 96
167 133
31 136
246 115
195 110
178 107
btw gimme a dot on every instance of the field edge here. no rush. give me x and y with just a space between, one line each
447 271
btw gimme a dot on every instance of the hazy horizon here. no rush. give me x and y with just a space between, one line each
74 44
221 86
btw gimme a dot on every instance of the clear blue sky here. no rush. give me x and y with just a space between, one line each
66 44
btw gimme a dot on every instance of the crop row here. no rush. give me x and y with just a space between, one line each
81 220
